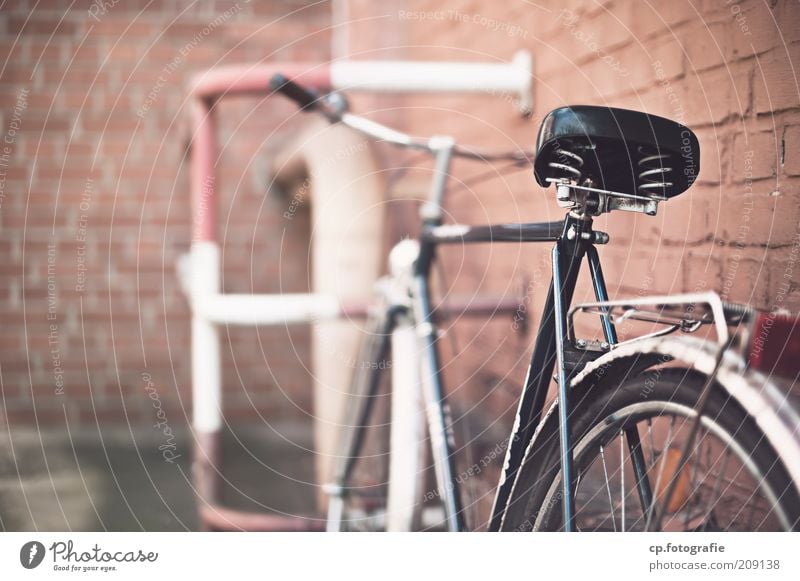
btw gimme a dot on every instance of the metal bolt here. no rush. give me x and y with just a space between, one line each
571 233
581 343
600 237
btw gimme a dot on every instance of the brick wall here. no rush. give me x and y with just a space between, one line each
94 206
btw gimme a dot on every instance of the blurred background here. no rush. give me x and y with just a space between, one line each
94 215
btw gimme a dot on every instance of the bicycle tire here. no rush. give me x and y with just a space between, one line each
534 501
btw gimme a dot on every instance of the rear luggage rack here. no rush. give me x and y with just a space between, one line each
769 341
685 312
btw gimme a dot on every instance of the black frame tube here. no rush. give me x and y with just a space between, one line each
601 294
458 233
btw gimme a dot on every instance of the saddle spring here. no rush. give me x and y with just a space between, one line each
569 164
653 174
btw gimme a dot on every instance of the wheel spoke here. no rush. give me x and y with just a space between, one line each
608 488
622 475
660 473
693 484
645 493
717 486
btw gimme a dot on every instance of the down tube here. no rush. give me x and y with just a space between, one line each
436 409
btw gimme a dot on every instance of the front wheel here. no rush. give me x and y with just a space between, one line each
628 440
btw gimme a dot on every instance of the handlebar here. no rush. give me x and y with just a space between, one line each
334 108
305 98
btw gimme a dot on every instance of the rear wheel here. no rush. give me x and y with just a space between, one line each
733 479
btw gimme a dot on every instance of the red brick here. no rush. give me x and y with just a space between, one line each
44 26
705 45
670 56
662 18
791 150
776 86
754 30
717 95
788 18
714 153
745 281
702 270
757 152
81 115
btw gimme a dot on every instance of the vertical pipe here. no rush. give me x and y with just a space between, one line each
206 363
203 178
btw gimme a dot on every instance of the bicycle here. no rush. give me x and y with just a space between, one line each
665 414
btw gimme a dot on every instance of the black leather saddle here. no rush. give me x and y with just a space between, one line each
617 149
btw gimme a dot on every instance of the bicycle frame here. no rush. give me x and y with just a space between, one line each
574 240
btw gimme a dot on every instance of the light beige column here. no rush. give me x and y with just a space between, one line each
347 257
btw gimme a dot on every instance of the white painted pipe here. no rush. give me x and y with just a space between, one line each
246 309
284 309
206 362
514 78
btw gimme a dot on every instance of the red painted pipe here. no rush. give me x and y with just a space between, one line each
217 518
254 80
203 177
227 82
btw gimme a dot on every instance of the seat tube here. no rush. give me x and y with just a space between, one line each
568 501
567 255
